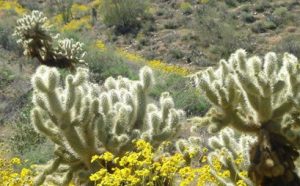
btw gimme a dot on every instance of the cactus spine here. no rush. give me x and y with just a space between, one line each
259 97
83 119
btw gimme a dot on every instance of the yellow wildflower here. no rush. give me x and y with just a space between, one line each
15 161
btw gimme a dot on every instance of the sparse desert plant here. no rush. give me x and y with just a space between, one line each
259 97
83 119
124 15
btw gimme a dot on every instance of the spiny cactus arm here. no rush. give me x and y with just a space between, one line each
70 50
232 152
44 127
190 148
216 172
48 170
163 126
60 107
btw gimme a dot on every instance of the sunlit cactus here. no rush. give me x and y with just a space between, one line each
84 119
261 97
232 150
34 34
191 148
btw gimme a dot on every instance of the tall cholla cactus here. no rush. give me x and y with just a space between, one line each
83 119
233 152
33 33
262 98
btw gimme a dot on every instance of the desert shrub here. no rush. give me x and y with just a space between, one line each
184 95
248 17
171 24
24 137
125 16
7 41
263 26
231 3
290 44
176 53
281 16
219 31
261 6
186 8
65 8
40 154
105 63
6 76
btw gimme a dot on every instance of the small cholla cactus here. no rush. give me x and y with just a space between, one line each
83 119
70 50
191 149
233 152
33 33
259 97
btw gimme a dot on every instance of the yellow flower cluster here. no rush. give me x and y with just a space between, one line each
57 20
95 3
132 57
100 45
75 24
12 5
140 168
11 175
80 10
157 64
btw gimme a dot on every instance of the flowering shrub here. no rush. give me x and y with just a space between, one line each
78 10
142 167
12 5
75 24
157 64
12 175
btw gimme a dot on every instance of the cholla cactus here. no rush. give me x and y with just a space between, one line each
70 50
191 149
259 97
233 152
83 119
33 33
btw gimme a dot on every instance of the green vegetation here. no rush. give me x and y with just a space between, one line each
125 16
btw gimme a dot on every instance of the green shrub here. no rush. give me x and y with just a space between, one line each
39 155
6 77
124 15
231 3
185 96
248 17
263 26
186 8
7 41
261 6
103 64
281 16
290 44
24 137
176 53
171 24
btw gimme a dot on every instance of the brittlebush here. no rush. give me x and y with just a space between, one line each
141 167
